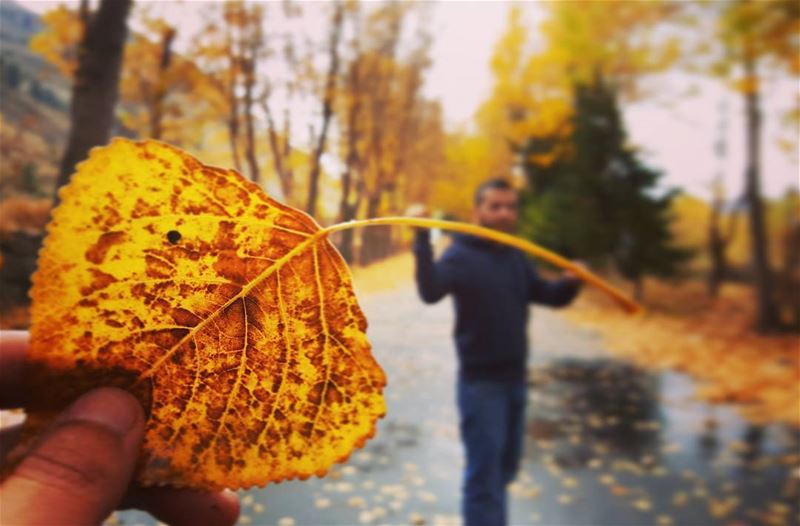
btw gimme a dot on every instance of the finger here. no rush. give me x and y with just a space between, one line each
79 470
184 507
13 347
8 437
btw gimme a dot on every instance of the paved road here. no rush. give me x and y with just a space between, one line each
607 444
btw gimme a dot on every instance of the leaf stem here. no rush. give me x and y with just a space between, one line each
617 295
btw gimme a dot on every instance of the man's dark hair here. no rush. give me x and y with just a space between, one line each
497 183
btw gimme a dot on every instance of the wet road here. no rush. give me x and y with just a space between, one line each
607 444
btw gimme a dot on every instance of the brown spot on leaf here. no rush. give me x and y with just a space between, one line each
97 252
184 317
100 280
225 237
230 267
157 267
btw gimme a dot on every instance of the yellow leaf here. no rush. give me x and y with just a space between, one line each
569 482
619 490
746 85
721 508
218 307
679 499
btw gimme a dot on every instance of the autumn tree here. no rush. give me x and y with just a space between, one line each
757 37
328 100
530 99
721 226
383 33
364 117
95 88
350 114
250 20
392 108
280 145
223 54
721 230
289 87
529 110
790 276
57 43
157 84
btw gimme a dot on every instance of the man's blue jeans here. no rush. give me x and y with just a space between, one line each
492 429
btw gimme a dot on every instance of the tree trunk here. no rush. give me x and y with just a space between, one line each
348 210
791 271
372 238
717 247
250 139
233 102
767 313
278 153
233 128
157 114
94 94
327 110
719 268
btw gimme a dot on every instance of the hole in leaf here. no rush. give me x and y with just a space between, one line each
173 236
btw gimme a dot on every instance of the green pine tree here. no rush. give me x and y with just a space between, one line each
600 202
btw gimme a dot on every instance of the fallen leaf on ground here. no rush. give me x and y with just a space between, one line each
721 508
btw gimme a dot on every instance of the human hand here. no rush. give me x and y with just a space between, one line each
81 468
575 274
417 210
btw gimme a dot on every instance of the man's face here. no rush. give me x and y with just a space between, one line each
498 209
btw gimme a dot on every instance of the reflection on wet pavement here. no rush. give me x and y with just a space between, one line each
612 444
607 443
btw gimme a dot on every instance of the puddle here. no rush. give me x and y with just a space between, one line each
611 444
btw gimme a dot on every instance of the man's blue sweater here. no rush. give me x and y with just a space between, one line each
492 286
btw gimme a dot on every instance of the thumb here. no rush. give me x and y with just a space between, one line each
79 470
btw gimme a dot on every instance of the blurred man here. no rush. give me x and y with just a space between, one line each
492 286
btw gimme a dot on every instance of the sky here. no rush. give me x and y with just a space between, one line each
675 135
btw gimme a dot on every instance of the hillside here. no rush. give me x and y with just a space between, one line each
34 102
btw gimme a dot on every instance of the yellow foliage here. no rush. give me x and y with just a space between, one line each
615 39
470 159
690 229
533 88
218 307
58 42
746 85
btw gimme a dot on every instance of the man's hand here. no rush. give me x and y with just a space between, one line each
417 210
581 265
80 469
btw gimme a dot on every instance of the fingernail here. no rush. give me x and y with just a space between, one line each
111 408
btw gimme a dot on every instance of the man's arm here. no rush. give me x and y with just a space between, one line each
555 293
434 279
